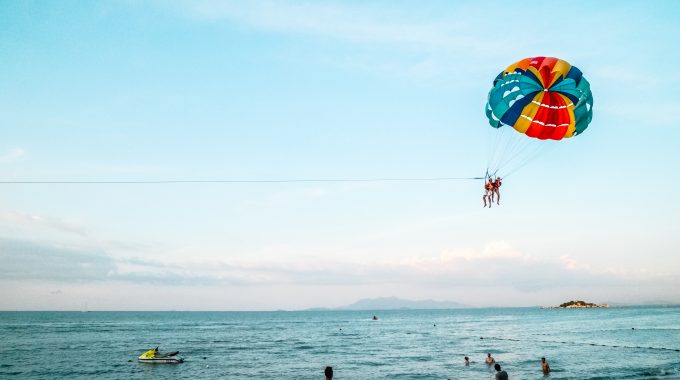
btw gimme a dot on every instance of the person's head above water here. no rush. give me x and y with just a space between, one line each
543 360
329 372
488 355
497 367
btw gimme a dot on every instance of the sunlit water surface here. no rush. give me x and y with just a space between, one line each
615 343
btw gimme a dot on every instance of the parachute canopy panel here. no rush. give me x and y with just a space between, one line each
542 97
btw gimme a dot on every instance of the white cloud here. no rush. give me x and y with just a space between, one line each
12 155
37 222
359 24
421 46
497 264
496 274
572 264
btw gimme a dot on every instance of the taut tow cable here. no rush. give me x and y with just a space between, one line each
237 181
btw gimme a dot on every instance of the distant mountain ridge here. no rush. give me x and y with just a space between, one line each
394 303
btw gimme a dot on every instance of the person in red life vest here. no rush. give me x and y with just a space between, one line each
488 192
496 190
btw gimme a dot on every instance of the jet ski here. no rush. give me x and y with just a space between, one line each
153 356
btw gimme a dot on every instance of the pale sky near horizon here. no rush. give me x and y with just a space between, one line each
136 91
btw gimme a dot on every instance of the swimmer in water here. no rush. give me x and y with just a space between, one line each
467 361
500 375
489 359
545 366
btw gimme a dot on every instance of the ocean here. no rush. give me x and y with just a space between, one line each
614 343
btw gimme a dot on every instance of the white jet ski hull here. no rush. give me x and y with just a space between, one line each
169 360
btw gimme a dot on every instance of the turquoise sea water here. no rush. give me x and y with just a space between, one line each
616 343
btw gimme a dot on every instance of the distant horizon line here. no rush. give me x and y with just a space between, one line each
315 309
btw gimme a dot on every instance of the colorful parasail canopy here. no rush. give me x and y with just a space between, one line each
542 97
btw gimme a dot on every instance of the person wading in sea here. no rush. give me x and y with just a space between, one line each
500 375
545 366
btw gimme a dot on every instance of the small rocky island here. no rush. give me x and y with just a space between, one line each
578 305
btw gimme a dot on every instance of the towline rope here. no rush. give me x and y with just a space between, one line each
236 181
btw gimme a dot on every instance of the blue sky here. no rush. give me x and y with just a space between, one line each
116 91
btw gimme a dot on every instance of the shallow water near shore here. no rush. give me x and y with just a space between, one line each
616 343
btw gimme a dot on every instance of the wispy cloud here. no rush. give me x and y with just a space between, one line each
460 43
343 21
12 155
415 44
28 260
497 264
33 221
